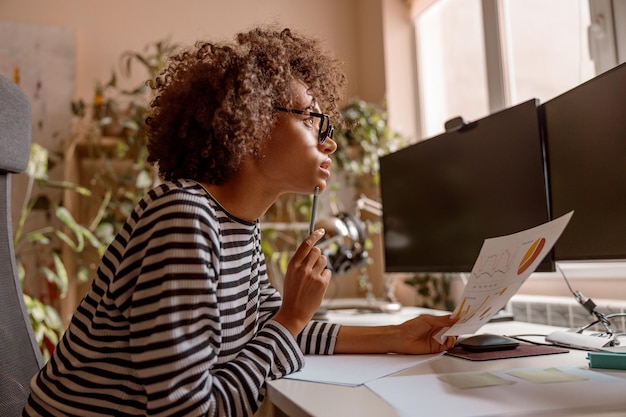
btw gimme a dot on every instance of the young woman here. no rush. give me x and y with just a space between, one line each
181 318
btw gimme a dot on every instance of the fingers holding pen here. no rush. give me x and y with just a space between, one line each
310 257
308 246
305 283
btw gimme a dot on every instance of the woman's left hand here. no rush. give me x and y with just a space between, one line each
412 337
415 336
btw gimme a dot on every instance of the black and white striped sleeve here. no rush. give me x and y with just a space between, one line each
176 322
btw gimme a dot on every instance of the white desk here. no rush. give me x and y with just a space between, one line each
307 399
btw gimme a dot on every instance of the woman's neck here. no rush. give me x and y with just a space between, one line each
245 201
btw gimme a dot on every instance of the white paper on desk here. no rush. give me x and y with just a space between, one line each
355 370
591 391
411 395
502 266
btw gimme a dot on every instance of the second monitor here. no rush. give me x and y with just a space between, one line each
586 147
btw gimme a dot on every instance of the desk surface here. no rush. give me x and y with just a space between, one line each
309 399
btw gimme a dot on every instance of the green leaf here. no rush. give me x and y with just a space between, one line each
37 236
58 277
105 121
121 149
38 162
49 274
66 185
68 220
51 335
105 231
94 240
83 275
144 180
21 271
131 124
36 309
75 246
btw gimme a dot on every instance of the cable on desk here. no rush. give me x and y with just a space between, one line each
591 307
608 316
521 338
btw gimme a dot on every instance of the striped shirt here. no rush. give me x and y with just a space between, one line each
178 320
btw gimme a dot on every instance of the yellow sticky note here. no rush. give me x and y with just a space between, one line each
546 376
472 380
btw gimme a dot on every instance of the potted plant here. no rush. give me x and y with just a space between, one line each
111 128
52 258
39 251
368 136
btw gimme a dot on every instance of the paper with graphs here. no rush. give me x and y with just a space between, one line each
502 266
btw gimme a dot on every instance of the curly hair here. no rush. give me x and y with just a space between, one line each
214 102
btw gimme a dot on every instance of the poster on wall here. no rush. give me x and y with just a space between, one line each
41 60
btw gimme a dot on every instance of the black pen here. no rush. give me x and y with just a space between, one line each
314 209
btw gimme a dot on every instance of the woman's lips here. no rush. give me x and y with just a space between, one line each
325 168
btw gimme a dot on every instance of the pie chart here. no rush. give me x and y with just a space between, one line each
531 254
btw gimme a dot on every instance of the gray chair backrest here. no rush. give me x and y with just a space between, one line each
20 357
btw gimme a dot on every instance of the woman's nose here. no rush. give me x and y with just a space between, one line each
329 146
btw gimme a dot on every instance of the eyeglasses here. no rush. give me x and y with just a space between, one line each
326 130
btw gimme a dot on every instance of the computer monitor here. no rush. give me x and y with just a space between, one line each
443 196
586 152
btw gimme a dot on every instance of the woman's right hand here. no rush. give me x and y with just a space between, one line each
305 284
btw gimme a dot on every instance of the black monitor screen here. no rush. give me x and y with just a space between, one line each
586 151
443 196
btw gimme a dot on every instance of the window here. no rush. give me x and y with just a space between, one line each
549 51
451 63
476 57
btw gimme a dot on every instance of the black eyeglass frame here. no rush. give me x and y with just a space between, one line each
323 134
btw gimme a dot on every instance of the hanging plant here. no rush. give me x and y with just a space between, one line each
366 138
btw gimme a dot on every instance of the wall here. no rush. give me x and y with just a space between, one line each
106 29
599 280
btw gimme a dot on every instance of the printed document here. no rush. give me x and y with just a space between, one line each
502 266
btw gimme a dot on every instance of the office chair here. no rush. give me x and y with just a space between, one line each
20 357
